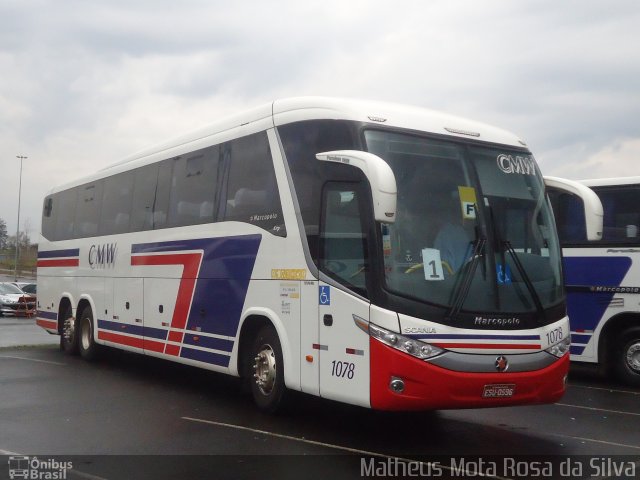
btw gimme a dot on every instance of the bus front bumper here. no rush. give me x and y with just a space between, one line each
425 386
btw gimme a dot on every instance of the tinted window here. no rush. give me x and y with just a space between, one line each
144 196
193 188
301 142
251 194
621 213
48 219
116 204
88 210
161 205
343 238
568 210
64 211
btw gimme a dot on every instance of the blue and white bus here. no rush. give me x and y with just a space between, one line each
375 254
603 276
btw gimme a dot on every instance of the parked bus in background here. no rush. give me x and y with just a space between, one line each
380 255
603 277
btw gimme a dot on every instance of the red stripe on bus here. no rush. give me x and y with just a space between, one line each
121 339
191 266
153 346
63 262
52 324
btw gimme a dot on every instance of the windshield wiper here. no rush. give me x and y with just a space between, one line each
462 289
525 277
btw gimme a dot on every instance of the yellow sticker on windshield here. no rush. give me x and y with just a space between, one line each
468 202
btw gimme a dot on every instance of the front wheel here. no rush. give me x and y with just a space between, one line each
627 357
267 371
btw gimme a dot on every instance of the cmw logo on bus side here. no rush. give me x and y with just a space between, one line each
521 165
101 256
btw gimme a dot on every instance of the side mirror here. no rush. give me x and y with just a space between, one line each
593 211
379 175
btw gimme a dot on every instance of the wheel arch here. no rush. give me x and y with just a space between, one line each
610 333
252 322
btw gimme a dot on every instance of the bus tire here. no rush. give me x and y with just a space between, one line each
627 357
68 335
266 370
87 346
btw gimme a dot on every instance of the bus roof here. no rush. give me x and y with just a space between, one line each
611 182
284 111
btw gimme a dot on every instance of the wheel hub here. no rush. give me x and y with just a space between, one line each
68 329
264 369
633 357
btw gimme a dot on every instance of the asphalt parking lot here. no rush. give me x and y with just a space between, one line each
128 416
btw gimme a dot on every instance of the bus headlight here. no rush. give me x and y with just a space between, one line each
415 348
559 349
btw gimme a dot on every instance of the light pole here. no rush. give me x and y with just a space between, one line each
21 157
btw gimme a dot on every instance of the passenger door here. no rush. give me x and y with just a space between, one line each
342 294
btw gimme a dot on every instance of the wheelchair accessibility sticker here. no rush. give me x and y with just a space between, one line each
324 295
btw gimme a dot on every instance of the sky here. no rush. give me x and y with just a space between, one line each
85 83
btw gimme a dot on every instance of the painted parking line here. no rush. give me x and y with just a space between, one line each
595 440
13 357
594 409
610 390
328 445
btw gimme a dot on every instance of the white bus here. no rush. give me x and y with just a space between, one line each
380 255
603 277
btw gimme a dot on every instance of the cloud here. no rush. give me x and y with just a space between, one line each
619 159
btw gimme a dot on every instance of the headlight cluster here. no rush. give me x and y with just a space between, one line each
559 349
407 345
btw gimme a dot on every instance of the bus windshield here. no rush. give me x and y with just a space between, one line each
474 230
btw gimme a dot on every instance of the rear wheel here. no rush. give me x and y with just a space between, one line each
89 349
266 370
68 336
627 357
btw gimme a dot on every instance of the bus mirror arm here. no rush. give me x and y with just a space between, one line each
379 175
593 210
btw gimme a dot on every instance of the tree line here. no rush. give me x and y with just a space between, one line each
28 252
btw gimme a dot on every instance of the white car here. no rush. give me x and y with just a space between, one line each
10 296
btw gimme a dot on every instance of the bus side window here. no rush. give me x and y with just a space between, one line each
621 217
343 241
48 218
193 188
251 194
161 202
116 204
568 211
144 197
88 210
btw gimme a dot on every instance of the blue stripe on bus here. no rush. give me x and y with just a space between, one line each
121 327
208 342
158 333
586 309
206 357
223 280
580 338
47 315
72 252
577 349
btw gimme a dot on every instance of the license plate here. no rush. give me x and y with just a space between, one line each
499 391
